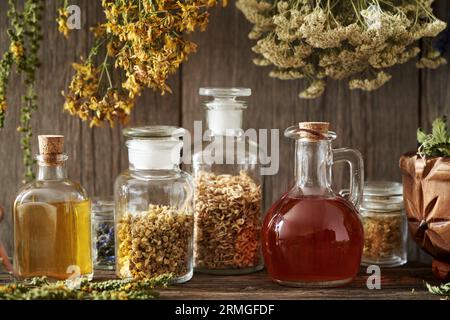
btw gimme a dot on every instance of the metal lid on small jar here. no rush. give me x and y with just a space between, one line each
383 196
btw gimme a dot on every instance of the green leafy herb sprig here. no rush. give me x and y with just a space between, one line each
125 289
25 34
436 143
442 290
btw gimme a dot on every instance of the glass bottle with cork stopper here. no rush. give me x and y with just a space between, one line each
154 223
228 189
312 236
52 220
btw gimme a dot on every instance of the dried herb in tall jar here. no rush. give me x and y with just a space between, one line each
227 182
155 242
227 224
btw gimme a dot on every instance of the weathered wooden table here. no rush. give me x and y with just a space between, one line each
399 283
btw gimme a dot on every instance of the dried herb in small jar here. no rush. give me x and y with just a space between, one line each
155 242
103 233
227 221
384 224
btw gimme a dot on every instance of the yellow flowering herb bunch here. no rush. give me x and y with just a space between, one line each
356 40
145 42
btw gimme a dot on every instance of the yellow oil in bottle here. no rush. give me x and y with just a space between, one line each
53 239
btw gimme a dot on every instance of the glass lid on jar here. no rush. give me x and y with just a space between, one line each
103 207
383 196
154 132
225 92
225 98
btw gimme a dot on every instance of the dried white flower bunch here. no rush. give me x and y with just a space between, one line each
353 39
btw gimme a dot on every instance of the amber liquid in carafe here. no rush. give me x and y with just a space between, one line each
51 237
312 239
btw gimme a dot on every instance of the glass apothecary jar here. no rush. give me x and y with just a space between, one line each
385 224
52 220
103 233
228 189
154 220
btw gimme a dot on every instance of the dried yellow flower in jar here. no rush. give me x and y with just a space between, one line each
383 236
227 221
155 242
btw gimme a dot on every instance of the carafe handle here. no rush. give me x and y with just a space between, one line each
355 160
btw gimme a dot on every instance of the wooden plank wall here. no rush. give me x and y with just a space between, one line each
381 124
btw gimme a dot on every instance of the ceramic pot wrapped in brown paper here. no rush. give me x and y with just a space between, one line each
426 193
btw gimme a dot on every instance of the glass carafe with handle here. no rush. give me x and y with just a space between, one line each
312 236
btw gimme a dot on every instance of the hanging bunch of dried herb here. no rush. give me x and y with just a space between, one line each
25 37
145 42
341 39
437 143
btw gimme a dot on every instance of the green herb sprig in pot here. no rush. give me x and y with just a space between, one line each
437 143
426 191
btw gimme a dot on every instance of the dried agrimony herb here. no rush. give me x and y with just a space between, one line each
41 289
25 34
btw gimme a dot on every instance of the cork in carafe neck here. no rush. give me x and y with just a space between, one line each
313 131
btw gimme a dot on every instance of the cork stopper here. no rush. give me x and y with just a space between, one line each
51 144
51 149
314 131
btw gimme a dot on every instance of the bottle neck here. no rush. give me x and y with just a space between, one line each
48 171
313 167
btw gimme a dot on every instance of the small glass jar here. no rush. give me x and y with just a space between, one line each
103 233
385 224
154 222
228 189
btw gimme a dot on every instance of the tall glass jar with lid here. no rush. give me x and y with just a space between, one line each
154 207
228 189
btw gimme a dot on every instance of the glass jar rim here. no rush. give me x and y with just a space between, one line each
154 132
